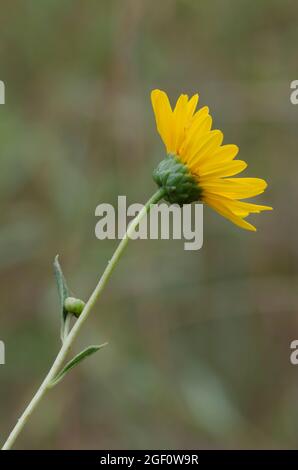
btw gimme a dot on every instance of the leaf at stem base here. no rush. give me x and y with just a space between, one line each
75 361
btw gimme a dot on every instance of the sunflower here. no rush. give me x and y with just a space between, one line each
198 167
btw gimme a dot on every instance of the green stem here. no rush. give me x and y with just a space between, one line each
57 365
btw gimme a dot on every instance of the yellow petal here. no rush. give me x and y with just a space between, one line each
244 208
205 149
199 127
180 120
239 208
235 188
201 112
221 170
163 116
191 107
228 214
226 153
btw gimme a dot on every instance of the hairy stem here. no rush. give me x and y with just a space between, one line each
70 338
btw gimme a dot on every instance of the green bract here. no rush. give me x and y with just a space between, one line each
178 183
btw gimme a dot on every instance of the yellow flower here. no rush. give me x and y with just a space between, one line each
191 143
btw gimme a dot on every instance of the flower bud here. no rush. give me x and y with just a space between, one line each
74 306
175 178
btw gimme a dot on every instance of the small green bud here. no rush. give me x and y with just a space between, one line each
175 178
74 306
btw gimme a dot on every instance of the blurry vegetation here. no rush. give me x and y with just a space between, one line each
198 351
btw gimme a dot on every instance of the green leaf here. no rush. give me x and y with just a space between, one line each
63 293
75 361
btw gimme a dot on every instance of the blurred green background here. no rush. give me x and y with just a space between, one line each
199 342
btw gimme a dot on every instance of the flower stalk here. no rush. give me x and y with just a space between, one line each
71 336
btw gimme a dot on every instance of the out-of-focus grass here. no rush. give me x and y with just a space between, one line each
198 350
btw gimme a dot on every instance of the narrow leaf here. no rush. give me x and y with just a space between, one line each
63 292
75 361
